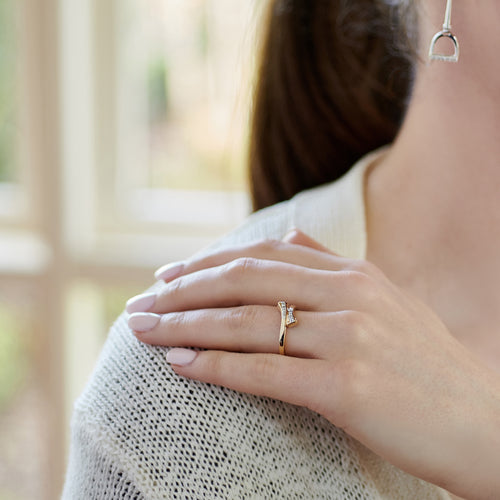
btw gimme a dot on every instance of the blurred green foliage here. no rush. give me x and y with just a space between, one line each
158 92
203 33
8 495
13 358
8 79
114 302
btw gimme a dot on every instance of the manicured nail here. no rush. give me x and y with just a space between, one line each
141 303
143 322
181 357
169 271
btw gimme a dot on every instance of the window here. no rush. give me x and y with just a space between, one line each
123 129
12 203
23 416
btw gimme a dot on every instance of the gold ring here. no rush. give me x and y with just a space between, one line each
287 320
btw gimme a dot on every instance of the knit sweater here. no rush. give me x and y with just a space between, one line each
139 431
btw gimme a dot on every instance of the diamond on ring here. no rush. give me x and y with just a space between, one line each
288 319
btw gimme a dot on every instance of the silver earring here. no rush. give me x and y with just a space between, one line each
445 33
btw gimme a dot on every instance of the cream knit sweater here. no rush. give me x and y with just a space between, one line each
140 431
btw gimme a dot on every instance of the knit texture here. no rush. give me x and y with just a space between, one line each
139 431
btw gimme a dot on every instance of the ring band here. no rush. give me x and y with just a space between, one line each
287 320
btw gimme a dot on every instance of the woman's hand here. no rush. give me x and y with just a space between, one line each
366 355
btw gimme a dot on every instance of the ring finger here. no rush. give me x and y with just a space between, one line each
252 329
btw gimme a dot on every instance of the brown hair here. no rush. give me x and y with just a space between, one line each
333 83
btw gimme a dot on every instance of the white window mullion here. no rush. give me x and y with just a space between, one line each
78 125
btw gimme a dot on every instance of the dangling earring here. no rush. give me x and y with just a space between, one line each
445 33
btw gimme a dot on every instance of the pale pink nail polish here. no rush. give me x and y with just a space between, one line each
143 322
141 303
181 357
169 271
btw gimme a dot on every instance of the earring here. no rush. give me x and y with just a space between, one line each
445 33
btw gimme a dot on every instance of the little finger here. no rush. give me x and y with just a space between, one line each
302 382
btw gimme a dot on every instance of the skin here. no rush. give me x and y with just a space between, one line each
404 347
443 175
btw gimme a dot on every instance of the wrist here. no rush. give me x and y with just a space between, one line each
476 475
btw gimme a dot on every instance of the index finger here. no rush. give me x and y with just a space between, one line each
264 250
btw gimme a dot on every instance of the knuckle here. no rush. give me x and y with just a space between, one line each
266 368
357 327
241 318
364 284
177 320
366 267
214 365
351 319
175 288
361 266
239 268
268 246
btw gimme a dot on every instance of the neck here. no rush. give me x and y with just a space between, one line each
443 173
452 128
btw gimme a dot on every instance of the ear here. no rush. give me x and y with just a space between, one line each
297 237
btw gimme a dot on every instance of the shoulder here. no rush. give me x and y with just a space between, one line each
138 422
333 214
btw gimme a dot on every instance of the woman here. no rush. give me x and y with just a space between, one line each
384 380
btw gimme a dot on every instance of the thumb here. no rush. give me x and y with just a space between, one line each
297 237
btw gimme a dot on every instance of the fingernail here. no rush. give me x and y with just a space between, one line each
141 303
143 322
169 271
181 357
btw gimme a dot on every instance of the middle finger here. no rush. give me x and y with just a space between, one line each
260 282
